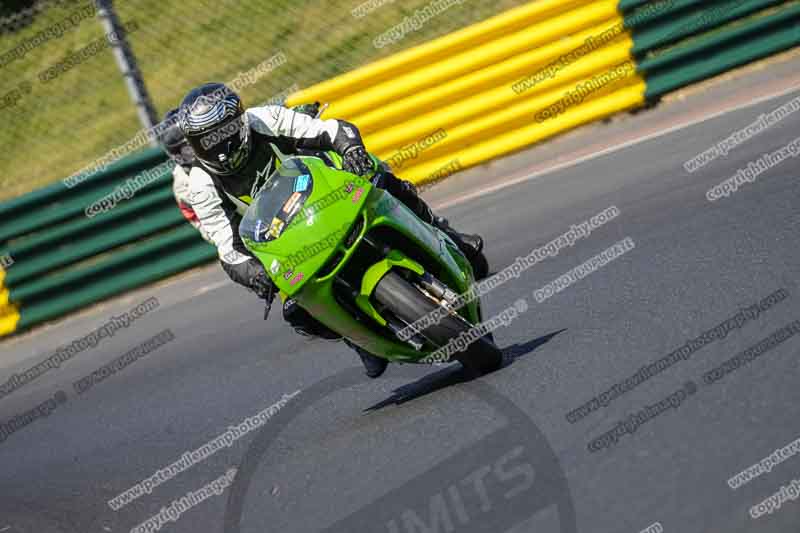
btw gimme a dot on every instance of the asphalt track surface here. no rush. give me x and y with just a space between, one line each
424 450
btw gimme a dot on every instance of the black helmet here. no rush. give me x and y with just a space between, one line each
174 142
213 120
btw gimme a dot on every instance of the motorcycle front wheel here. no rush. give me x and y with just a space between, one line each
409 303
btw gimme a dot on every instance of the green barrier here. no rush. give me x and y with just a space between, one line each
151 251
711 15
77 229
125 167
650 12
145 224
719 40
77 298
780 38
70 203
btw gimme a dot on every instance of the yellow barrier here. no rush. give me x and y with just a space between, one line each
496 124
403 84
9 313
490 89
467 38
9 318
596 109
507 72
491 105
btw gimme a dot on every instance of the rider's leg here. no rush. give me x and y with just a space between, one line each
406 192
308 326
374 366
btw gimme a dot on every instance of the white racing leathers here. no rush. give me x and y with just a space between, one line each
220 201
182 191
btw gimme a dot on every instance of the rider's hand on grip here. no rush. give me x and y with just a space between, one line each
357 161
268 296
263 286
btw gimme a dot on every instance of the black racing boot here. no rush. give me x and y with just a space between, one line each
470 245
374 366
305 324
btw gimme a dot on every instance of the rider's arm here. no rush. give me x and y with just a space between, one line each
220 222
217 220
313 133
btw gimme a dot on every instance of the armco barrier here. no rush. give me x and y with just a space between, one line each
542 69
64 260
455 102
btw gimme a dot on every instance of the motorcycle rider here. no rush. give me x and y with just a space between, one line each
178 150
236 151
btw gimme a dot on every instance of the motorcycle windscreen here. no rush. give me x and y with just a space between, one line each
297 221
278 202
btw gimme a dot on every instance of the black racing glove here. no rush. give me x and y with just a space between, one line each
357 161
252 275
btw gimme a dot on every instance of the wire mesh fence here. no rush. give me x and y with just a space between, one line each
63 103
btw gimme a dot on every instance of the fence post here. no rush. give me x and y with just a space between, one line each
127 65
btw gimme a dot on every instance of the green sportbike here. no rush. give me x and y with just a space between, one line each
365 265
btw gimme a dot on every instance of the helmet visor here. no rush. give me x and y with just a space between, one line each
223 148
